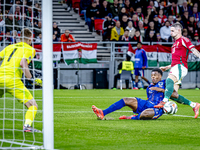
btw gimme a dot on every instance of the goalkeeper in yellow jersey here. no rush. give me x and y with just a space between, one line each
16 58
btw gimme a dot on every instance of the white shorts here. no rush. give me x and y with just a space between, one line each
179 71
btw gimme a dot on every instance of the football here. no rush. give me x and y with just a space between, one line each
170 107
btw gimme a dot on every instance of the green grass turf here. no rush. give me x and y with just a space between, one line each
76 126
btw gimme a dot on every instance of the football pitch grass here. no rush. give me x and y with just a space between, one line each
77 127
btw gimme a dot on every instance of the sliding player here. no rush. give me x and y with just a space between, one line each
179 67
16 58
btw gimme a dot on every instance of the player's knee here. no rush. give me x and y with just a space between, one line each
31 103
129 100
147 114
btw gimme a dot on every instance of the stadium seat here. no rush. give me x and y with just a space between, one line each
76 3
98 25
125 75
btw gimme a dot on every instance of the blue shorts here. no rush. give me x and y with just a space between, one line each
139 72
144 104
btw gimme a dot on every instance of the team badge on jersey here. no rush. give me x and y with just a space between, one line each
160 84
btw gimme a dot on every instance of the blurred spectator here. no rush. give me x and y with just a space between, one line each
9 21
92 13
161 17
196 38
192 22
124 22
140 14
29 14
185 33
15 38
127 6
18 14
153 8
55 39
115 9
56 30
149 14
165 31
185 19
107 26
146 23
191 31
116 32
121 3
131 29
161 6
39 13
151 37
198 28
67 37
171 20
122 13
39 38
84 4
196 14
142 29
69 5
24 7
186 7
125 37
24 22
135 22
175 10
12 9
156 22
137 37
7 40
104 10
151 28
38 28
158 38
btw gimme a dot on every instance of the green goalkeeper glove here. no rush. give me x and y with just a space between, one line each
37 81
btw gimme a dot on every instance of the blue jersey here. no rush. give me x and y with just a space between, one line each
154 96
140 59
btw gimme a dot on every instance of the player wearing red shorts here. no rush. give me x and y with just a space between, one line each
179 68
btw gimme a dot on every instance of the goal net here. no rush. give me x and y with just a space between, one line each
15 16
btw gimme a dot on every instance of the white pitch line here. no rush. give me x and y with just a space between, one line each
68 112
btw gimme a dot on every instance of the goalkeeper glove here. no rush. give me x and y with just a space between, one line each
37 81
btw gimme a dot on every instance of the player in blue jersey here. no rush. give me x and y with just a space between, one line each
144 108
140 64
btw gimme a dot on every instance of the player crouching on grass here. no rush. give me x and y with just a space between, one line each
16 58
144 108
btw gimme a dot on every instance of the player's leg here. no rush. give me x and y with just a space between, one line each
137 73
131 102
145 79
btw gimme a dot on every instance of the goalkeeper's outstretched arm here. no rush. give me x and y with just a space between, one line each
25 68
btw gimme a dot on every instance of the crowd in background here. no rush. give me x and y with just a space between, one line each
144 20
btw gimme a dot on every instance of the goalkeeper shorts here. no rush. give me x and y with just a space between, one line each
16 88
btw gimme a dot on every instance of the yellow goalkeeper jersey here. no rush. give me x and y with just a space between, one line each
12 56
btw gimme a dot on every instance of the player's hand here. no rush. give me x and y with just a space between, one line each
157 89
143 67
38 82
163 68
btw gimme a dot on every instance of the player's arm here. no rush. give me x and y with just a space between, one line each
165 68
25 69
174 94
195 52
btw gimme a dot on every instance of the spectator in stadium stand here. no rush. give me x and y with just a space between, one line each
7 40
158 38
140 14
161 6
84 4
69 5
16 38
124 22
149 15
142 29
116 32
175 10
171 20
185 19
146 23
92 13
121 3
127 6
191 31
198 28
12 9
165 31
185 33
30 14
161 17
196 38
39 13
196 14
186 7
55 39
131 29
125 37
137 37
18 14
104 10
56 30
9 21
192 22
156 22
39 38
24 21
115 9
151 28
135 21
67 37
122 13
151 37
108 24
153 8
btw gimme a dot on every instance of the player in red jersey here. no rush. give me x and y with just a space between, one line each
179 68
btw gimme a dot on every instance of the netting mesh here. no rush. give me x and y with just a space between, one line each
15 16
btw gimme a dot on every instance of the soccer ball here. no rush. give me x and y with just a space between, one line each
170 107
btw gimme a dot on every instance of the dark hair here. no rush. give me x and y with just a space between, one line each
139 43
157 70
126 30
128 58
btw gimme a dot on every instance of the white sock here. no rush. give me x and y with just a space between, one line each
165 100
192 104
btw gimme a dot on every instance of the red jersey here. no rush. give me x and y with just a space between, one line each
180 50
